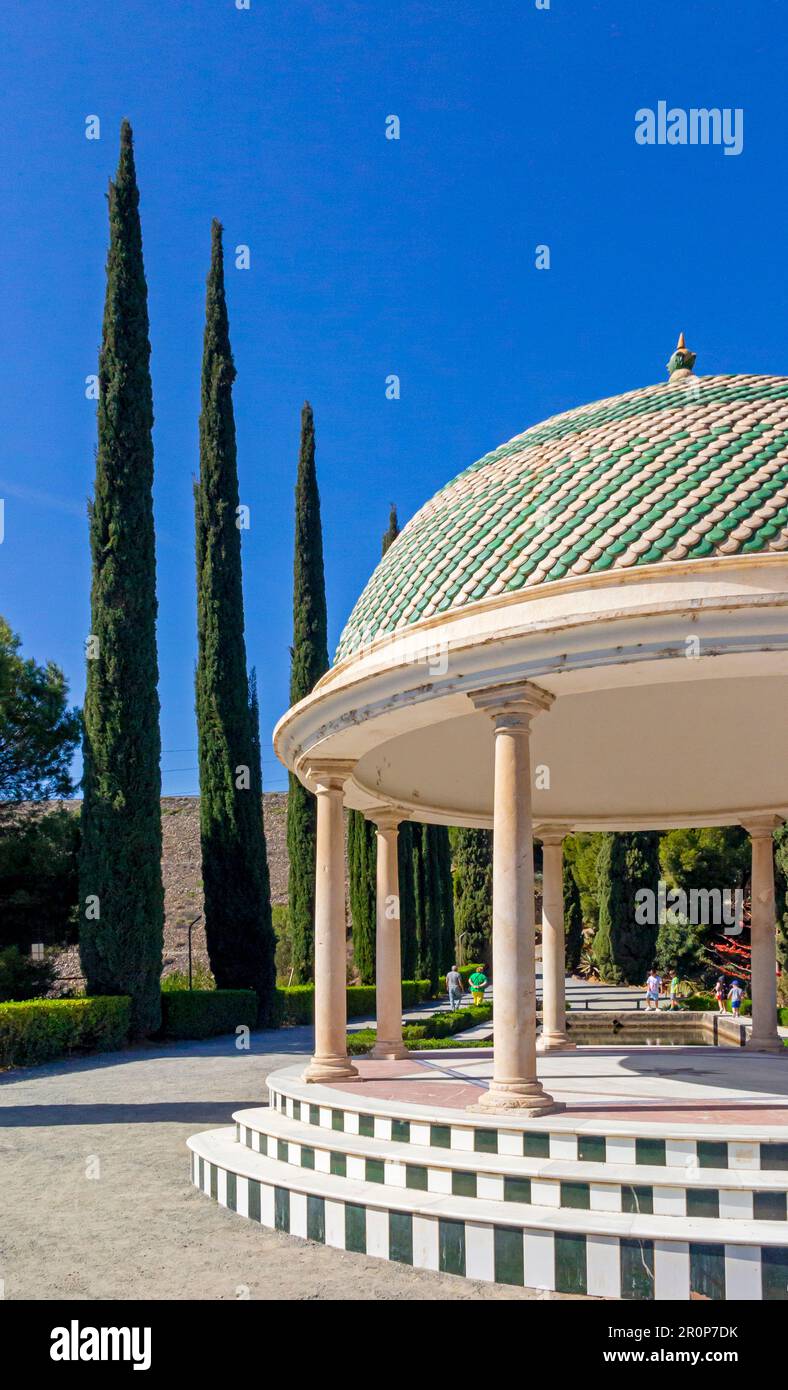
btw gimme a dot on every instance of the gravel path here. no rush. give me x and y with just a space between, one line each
96 1198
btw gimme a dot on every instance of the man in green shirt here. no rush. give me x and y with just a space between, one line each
477 982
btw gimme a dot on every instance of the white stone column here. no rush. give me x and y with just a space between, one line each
514 1084
388 950
330 1059
763 937
553 1037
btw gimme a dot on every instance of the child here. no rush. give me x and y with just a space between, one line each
653 988
735 994
719 994
674 989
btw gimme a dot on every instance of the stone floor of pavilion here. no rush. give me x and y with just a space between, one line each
660 1086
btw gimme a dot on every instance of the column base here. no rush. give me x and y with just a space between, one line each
773 1046
329 1069
554 1042
523 1097
389 1051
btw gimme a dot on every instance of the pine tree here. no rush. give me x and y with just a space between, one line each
121 896
309 661
473 894
236 888
573 920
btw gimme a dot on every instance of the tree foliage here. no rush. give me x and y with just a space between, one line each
236 887
39 879
38 731
309 661
121 891
714 857
624 947
472 864
361 865
573 919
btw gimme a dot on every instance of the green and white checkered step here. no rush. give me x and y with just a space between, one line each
533 1140
679 471
607 1255
612 1186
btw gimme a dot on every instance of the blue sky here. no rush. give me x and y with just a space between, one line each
368 257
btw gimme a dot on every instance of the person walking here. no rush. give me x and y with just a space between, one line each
735 994
674 989
653 989
719 994
455 988
477 982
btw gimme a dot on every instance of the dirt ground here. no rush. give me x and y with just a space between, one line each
96 1201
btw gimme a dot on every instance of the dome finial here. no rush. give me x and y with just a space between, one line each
682 361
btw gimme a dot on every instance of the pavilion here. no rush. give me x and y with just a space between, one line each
585 630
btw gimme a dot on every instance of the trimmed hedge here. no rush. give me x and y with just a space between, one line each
39 1030
431 1033
203 1013
296 1003
706 1003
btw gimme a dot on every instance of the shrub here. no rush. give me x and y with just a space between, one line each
296 1003
39 1030
179 979
21 977
202 1013
433 1030
704 1003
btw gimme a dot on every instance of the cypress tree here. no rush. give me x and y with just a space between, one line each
423 955
573 920
473 894
362 858
121 896
236 889
444 895
623 946
361 865
309 661
391 534
407 902
611 892
409 838
433 902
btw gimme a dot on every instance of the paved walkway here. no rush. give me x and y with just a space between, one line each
97 1202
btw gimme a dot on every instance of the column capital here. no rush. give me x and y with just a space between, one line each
326 774
551 834
385 817
520 701
761 827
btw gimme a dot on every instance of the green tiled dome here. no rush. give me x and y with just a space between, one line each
682 470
